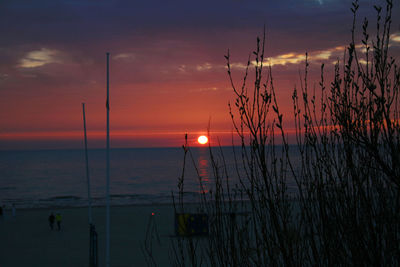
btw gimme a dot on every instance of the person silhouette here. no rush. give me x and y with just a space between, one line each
51 221
58 220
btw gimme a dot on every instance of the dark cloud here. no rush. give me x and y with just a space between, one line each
74 21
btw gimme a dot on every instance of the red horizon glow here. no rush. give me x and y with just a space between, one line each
124 138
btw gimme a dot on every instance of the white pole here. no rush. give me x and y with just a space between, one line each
87 167
108 169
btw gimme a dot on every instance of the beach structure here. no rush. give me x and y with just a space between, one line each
108 167
93 256
191 224
87 166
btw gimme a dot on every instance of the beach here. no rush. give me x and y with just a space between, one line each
27 240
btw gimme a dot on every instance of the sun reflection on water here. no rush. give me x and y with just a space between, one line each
203 167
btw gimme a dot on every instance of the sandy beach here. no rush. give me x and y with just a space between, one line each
27 240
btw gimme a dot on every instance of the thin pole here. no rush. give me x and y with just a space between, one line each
87 166
108 168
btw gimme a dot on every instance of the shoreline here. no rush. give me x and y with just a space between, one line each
94 206
162 204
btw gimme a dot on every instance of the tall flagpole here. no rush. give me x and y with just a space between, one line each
87 166
108 168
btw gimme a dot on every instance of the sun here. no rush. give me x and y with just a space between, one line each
202 139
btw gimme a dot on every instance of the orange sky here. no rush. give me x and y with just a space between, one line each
168 74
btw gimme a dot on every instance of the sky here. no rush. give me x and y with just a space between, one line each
168 73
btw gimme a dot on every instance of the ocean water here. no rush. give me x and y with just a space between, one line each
49 178
57 178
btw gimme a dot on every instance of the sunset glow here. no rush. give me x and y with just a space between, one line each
202 140
165 72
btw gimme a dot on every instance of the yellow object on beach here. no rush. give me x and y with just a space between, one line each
187 224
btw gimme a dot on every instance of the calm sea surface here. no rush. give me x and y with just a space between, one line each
51 178
58 177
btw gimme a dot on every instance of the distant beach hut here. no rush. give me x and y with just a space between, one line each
191 224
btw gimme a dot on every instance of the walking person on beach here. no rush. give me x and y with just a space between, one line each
51 221
58 220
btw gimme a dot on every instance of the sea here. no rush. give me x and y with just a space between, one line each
58 178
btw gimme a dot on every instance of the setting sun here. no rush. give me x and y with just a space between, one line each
202 139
